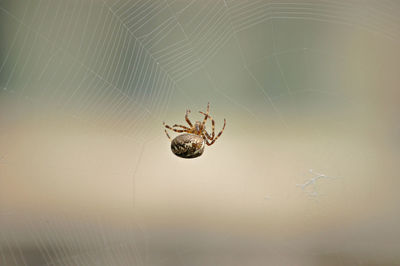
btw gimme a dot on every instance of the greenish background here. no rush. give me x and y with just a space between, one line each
86 173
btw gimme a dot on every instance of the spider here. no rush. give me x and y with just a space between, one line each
191 145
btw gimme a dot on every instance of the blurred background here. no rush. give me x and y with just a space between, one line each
305 173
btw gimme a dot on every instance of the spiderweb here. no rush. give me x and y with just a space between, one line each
87 178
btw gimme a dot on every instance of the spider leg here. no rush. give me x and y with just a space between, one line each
187 118
167 134
212 123
173 129
208 136
181 126
219 134
205 139
206 116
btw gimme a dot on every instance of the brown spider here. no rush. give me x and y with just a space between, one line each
199 128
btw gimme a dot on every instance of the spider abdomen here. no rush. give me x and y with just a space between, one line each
188 146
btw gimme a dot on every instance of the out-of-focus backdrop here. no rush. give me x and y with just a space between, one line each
305 173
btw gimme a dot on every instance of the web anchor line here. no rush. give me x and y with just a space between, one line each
312 182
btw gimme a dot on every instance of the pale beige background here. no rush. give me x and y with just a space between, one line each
86 173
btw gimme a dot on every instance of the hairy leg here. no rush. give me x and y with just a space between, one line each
205 139
167 134
187 118
173 129
219 134
206 115
208 136
212 123
181 126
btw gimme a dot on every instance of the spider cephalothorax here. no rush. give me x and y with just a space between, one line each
191 145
